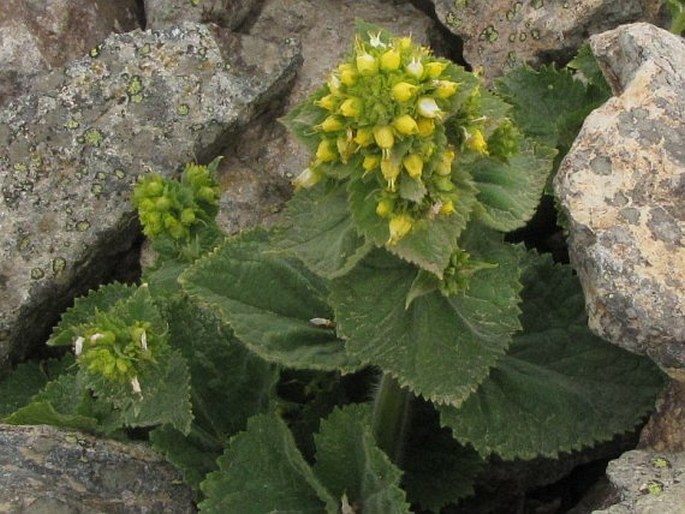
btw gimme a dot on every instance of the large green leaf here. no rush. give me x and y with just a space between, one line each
560 387
439 347
509 193
349 463
17 388
321 233
270 302
263 471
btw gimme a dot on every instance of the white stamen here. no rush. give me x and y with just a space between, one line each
143 340
135 385
78 345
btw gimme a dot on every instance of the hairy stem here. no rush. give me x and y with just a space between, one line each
391 417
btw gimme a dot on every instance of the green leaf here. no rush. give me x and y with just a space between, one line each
17 388
585 62
44 413
269 301
263 471
437 469
103 299
349 463
321 233
304 116
509 193
439 347
431 242
560 388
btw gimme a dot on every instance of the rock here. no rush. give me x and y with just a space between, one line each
648 482
225 13
71 151
621 186
665 430
44 470
256 174
38 36
501 34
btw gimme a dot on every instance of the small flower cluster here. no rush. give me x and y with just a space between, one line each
382 114
174 208
115 351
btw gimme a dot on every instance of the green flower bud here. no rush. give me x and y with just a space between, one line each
208 194
399 226
435 68
403 91
308 178
413 164
390 60
325 152
405 125
427 108
188 216
331 124
415 68
351 107
163 204
384 137
443 183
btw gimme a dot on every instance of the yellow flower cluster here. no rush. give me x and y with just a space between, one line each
382 113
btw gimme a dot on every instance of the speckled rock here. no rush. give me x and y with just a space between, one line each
501 34
256 175
70 152
37 36
225 13
622 186
44 470
648 482
665 430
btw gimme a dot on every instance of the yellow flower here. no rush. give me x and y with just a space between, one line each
367 64
327 102
390 169
426 127
334 85
351 107
427 107
404 43
385 207
371 162
331 124
445 88
444 167
325 152
447 208
399 226
415 68
477 143
403 91
405 125
364 136
435 68
348 75
345 148
413 164
384 137
390 60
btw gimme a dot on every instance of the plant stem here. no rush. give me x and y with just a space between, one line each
391 417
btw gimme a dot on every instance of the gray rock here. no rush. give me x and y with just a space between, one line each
501 34
44 470
38 36
256 174
622 186
648 482
70 152
225 13
665 430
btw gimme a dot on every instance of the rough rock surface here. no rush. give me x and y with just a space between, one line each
256 175
38 36
665 430
622 186
648 482
501 34
44 470
70 152
225 13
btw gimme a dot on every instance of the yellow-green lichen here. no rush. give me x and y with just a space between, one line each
37 273
72 124
58 265
95 51
120 174
96 189
654 487
93 137
83 225
661 463
135 89
183 110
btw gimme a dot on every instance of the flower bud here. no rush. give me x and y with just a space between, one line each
188 216
348 75
415 68
364 136
334 85
427 107
325 151
390 169
445 88
403 91
163 204
399 226
331 124
306 179
404 43
477 143
444 167
447 208
385 207
413 164
326 102
384 137
351 107
426 127
405 125
371 162
435 68
390 60
367 64
345 148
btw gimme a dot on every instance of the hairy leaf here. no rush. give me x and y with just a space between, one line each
269 301
585 62
439 347
263 471
560 387
17 388
348 462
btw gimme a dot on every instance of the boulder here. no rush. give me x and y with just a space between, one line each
501 34
44 470
621 187
72 149
225 13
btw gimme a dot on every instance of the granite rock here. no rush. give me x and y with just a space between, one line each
44 470
501 34
71 151
665 430
225 13
622 185
38 36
